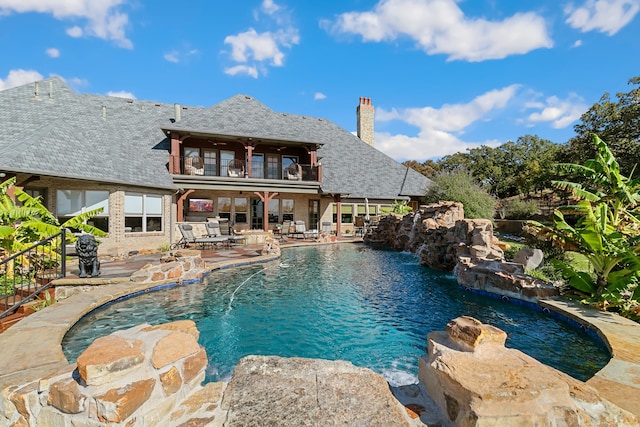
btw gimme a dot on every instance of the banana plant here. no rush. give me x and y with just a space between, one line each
25 223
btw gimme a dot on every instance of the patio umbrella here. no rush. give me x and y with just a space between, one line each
366 209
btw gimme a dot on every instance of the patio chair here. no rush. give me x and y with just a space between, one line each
300 229
294 172
188 238
285 231
327 228
193 166
235 168
358 225
224 229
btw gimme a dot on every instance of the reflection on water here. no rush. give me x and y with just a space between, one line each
373 308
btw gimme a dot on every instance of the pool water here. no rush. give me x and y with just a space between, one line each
373 308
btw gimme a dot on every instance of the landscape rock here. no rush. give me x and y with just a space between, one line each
530 258
276 391
490 385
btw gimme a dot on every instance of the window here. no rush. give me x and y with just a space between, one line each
224 207
287 209
274 211
273 166
142 212
210 162
286 162
38 192
257 166
240 206
346 213
70 203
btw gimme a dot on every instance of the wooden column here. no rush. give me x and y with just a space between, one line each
249 149
266 198
336 199
180 205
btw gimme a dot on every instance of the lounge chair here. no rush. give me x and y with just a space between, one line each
299 229
286 230
222 228
188 238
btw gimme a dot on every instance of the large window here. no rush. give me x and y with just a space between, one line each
346 213
70 203
240 206
142 212
287 209
224 207
274 211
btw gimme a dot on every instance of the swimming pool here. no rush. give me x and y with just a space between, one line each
371 307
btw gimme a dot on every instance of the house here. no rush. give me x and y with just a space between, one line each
150 165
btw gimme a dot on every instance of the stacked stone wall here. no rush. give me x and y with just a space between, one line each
147 375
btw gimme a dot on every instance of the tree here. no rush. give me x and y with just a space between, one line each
460 186
427 168
509 169
616 121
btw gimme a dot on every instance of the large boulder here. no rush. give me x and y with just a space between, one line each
476 381
530 258
277 391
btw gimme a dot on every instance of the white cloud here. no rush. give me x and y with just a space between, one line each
52 52
104 20
577 43
258 49
75 32
439 129
606 16
121 94
176 56
242 69
560 113
319 95
19 77
440 27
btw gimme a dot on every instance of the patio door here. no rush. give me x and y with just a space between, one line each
257 214
314 214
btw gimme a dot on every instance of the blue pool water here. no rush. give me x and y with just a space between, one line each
350 302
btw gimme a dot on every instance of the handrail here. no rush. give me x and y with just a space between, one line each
24 275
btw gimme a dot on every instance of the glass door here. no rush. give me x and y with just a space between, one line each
257 214
314 214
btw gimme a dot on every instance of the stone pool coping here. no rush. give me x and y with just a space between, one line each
32 348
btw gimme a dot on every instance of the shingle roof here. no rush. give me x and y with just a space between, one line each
116 140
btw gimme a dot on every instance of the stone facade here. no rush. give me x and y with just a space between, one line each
146 375
476 381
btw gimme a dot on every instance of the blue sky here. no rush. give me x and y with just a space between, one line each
443 75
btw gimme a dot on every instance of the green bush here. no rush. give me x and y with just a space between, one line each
460 186
520 209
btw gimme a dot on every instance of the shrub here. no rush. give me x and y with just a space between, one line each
520 209
460 186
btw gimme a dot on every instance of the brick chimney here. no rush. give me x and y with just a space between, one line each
364 112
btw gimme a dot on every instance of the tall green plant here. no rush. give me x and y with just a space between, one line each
605 231
22 224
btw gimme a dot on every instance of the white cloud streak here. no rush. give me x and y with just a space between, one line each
121 94
439 129
440 27
253 50
560 113
605 16
319 96
52 52
104 19
19 77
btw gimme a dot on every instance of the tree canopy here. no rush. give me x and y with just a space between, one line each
616 121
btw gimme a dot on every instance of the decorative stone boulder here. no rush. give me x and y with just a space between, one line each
502 278
476 381
530 258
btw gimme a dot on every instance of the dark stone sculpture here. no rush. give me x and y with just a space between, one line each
87 250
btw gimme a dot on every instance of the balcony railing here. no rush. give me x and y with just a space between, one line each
196 166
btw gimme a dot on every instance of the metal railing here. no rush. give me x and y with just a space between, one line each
26 275
238 169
